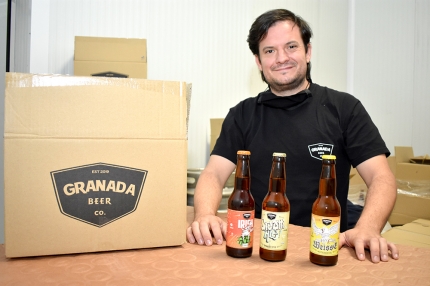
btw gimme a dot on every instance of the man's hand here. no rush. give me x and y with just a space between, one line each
366 234
202 229
207 197
362 239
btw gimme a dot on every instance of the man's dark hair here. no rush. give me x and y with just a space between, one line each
261 26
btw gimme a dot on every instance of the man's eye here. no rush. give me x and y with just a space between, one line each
292 47
268 51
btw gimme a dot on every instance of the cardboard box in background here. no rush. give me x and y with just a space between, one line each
413 188
110 57
93 164
413 184
407 171
216 124
415 233
358 188
410 206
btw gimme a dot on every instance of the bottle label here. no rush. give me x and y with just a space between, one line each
274 230
325 235
240 228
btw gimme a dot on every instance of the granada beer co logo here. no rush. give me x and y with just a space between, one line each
318 150
98 194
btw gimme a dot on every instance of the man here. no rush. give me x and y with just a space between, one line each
305 121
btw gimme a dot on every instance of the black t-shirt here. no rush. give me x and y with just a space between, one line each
305 126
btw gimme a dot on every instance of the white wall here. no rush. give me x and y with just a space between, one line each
377 50
392 69
202 42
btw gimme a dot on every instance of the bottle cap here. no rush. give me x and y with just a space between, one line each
243 152
329 157
279 154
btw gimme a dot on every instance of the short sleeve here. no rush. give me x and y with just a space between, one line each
231 138
362 138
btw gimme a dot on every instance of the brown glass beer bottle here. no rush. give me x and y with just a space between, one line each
325 221
275 214
241 211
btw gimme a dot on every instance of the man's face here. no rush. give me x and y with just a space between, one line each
283 58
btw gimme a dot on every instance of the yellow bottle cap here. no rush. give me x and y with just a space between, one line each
279 154
243 152
329 157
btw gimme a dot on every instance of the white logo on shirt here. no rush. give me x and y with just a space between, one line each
319 149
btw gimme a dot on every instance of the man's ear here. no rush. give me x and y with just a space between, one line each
309 53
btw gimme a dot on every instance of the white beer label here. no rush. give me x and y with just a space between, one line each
274 230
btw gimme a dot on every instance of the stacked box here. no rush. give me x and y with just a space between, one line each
110 57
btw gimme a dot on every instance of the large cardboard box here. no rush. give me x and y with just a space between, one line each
93 164
110 57
413 184
415 233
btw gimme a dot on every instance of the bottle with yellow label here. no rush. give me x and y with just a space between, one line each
275 214
325 221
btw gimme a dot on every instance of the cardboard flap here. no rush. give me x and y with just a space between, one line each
403 153
421 160
89 107
421 226
416 233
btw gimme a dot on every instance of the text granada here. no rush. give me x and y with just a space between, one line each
99 185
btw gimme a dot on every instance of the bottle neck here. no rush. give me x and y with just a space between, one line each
327 185
242 175
278 182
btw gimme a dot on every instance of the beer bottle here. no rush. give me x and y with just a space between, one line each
275 214
325 221
241 211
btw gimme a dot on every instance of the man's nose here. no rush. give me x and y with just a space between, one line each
282 56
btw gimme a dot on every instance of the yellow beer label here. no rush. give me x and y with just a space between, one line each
325 235
274 230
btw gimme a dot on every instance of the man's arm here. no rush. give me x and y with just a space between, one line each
207 197
380 199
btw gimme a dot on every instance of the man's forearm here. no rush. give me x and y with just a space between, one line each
207 195
380 200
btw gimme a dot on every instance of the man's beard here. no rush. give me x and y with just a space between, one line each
288 84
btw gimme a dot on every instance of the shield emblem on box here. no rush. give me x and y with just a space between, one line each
98 194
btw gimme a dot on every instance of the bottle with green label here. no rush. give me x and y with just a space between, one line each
325 221
275 214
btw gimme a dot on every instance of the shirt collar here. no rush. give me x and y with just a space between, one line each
291 102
